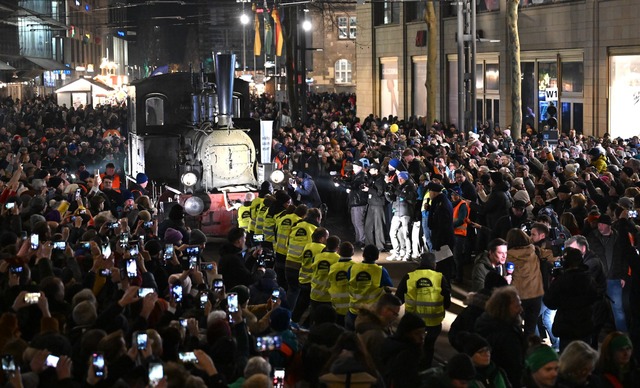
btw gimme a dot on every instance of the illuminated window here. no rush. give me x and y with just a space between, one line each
343 71
346 27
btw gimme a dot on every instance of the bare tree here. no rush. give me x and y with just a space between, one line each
290 33
513 51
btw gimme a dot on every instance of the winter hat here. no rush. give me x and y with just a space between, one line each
280 319
408 323
432 186
35 218
197 237
628 171
626 202
472 342
153 247
494 280
141 178
84 175
403 175
539 357
126 195
395 163
269 274
620 342
172 236
460 367
604 219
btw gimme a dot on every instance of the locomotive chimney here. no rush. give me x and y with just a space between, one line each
224 81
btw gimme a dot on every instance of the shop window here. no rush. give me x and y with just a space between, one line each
572 77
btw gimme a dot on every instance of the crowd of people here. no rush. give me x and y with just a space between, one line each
101 287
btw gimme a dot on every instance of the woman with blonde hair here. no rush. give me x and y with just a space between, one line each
576 365
526 277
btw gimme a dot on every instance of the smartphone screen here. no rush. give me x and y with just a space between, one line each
142 292
10 205
204 298
132 268
275 295
133 251
124 239
218 284
188 357
52 361
193 262
35 241
97 359
8 363
232 302
106 251
32 297
59 245
156 373
77 194
105 272
168 252
278 378
176 290
141 340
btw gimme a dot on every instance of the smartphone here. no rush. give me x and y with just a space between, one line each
10 205
35 241
15 269
275 295
204 298
188 357
183 323
168 252
278 378
557 264
232 303
147 224
156 373
141 340
132 268
32 297
217 285
124 240
85 245
176 291
206 266
106 251
142 292
633 213
258 238
59 245
114 225
268 343
105 272
52 361
97 359
77 194
192 251
8 363
193 262
133 251
24 235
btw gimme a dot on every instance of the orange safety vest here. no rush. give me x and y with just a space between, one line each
462 229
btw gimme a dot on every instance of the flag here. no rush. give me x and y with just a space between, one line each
279 38
257 47
160 70
268 35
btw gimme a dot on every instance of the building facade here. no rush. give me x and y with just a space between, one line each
583 56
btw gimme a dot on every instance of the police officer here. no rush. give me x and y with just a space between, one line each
426 293
367 282
301 234
317 245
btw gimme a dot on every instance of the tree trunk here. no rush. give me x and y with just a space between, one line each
290 34
513 52
432 56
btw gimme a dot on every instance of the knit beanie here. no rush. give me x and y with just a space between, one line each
172 236
395 163
472 342
141 178
197 237
408 323
540 356
460 367
280 319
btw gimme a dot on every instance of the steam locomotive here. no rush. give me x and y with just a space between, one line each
182 136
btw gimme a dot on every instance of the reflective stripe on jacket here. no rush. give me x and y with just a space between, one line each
322 264
424 296
364 285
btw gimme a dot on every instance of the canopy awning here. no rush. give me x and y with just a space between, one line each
47 64
5 66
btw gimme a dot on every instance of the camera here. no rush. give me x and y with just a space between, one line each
204 298
8 363
35 241
633 213
97 359
10 205
32 297
15 269
217 285
142 292
232 303
52 361
266 259
557 269
105 272
268 343
59 245
168 252
113 225
147 224
188 357
141 340
206 266
275 295
176 291
132 268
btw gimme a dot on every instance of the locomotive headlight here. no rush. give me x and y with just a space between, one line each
277 176
189 179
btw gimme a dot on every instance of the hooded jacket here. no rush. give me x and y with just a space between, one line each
527 278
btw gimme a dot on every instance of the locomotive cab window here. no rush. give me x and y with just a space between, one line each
154 110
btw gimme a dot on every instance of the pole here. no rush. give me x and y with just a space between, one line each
461 66
244 46
474 115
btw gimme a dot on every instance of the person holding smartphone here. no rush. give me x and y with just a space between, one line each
235 264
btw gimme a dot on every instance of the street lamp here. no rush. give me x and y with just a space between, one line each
244 19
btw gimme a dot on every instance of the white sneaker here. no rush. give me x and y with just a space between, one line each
392 257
